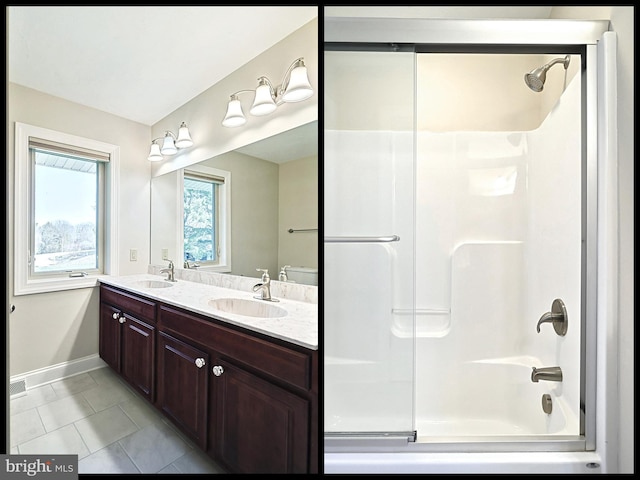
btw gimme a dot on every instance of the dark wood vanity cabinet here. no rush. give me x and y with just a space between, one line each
248 400
257 425
127 338
183 386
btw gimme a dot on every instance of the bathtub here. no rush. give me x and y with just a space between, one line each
493 397
496 397
495 417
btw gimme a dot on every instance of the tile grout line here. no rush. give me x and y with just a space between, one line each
127 454
83 442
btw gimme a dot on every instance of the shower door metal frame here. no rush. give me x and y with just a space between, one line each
402 435
541 36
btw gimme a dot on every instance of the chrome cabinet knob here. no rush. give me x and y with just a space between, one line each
218 370
200 362
115 315
122 319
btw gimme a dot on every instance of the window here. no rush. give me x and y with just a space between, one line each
61 226
205 217
68 210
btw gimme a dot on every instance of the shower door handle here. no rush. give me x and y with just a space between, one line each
382 239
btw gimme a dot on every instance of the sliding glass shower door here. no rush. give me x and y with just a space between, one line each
369 144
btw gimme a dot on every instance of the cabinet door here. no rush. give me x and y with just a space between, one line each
109 347
182 386
138 347
257 427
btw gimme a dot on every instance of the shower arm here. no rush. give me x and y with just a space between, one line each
564 61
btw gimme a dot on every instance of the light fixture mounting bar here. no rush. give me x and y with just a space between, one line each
295 87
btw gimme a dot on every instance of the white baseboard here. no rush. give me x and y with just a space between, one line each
42 376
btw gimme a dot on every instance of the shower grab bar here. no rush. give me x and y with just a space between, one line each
383 239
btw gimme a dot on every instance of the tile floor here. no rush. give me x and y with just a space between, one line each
111 428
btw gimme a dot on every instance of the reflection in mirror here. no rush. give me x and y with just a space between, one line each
272 206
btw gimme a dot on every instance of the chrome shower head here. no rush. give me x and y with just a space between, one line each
535 78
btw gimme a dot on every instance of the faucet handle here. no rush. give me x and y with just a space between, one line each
282 276
557 316
265 274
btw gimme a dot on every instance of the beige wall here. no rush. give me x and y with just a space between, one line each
51 328
298 209
254 212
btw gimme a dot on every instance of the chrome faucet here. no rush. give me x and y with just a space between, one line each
191 265
550 374
170 272
264 287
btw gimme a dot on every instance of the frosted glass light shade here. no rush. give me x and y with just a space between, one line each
168 147
154 153
234 117
299 87
184 138
263 103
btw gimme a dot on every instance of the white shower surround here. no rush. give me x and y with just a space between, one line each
501 224
413 459
492 254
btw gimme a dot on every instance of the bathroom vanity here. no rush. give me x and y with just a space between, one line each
243 385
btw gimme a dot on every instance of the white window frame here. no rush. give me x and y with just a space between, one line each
224 220
23 283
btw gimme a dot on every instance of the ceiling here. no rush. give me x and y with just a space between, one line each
139 63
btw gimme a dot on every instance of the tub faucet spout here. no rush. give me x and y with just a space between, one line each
550 374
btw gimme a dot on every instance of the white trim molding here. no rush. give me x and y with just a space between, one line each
24 285
43 376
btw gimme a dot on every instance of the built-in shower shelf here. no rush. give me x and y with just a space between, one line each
429 322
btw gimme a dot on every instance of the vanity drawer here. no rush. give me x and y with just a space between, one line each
288 365
138 307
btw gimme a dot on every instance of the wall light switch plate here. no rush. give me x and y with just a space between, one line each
165 254
133 255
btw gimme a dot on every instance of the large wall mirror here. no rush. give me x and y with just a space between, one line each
271 203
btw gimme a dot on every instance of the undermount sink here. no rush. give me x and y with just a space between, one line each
249 308
152 284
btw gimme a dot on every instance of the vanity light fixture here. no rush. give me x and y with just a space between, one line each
170 143
295 87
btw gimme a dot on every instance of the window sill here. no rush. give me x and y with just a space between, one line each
56 285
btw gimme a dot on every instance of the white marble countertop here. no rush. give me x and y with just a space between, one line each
298 326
